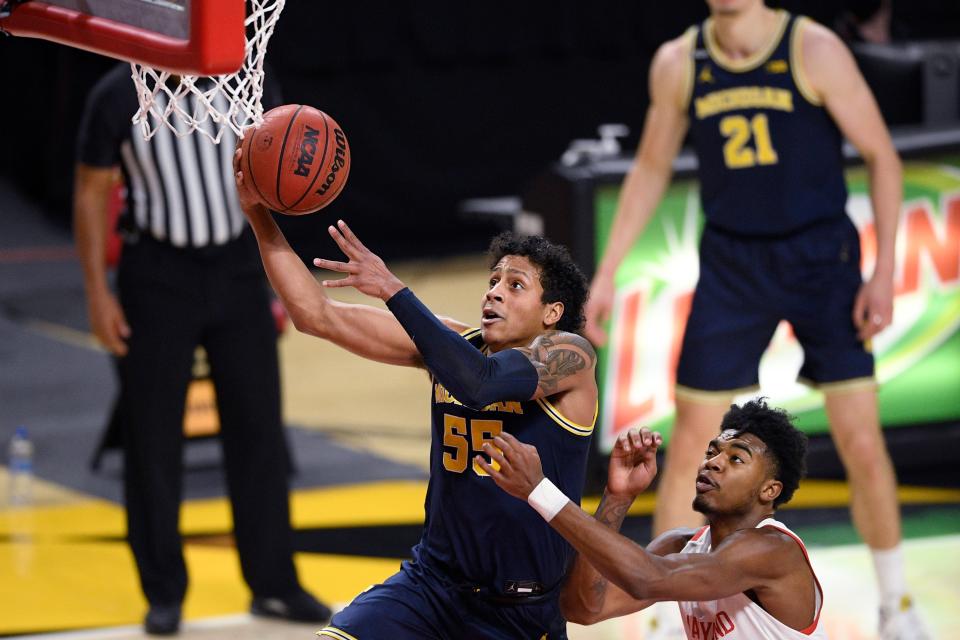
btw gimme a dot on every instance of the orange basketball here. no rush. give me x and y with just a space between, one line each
297 160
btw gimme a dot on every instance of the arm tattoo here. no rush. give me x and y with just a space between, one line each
611 516
599 587
557 355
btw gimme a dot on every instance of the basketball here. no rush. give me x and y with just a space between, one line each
297 160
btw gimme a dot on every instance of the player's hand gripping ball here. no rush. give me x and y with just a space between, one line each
297 161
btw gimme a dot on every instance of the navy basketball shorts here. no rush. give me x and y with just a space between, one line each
748 285
413 603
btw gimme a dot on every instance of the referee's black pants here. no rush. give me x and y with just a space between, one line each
174 300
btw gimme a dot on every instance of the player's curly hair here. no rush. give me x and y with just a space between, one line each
786 445
560 277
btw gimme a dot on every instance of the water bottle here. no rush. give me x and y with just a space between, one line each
21 467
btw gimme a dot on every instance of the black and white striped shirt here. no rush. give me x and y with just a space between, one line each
180 190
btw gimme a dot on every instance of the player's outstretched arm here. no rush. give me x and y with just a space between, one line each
589 597
663 130
741 562
367 331
473 378
835 79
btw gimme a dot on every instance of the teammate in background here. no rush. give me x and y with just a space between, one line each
745 575
486 566
768 98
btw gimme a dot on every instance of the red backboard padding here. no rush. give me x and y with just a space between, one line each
215 45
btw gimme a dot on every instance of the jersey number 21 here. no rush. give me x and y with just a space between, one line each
738 131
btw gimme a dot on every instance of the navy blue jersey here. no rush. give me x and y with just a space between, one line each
769 153
476 533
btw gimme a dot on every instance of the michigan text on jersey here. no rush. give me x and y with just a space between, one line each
442 396
743 98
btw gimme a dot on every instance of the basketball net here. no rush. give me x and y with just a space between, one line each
209 104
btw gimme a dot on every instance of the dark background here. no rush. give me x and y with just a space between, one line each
440 101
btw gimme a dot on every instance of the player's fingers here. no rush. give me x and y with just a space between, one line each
350 235
869 331
636 440
116 346
874 323
859 308
236 160
123 327
343 243
646 438
489 468
502 443
621 442
508 437
335 265
349 281
496 455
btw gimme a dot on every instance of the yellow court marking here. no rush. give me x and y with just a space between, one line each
72 585
77 585
812 494
368 504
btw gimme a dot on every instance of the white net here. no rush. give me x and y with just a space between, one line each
209 104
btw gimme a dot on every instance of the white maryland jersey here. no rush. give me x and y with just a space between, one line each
738 617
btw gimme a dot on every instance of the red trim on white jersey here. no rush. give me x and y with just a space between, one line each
806 556
699 533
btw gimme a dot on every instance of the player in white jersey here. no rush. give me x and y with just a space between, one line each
740 612
743 576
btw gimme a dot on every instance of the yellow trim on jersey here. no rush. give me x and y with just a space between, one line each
569 425
333 632
796 63
850 385
691 36
751 62
473 332
701 396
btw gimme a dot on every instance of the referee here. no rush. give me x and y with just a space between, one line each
189 275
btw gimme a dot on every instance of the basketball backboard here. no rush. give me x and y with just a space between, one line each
186 37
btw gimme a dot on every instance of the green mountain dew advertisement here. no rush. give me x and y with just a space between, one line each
918 357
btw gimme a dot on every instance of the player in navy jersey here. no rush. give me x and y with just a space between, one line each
768 98
487 566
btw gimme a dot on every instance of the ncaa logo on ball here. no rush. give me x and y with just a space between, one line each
308 148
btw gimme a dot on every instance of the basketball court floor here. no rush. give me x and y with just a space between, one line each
359 432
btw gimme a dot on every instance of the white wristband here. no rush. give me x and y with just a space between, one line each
547 499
